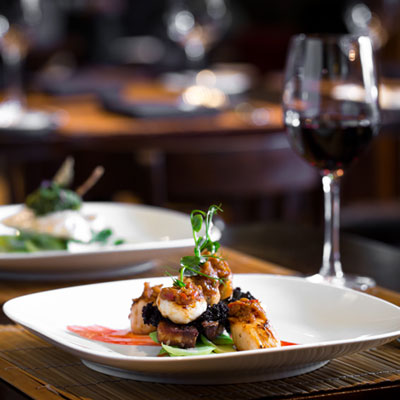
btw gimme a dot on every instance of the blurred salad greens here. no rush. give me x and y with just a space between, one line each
29 242
52 197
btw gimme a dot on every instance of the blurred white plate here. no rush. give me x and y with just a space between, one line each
325 321
149 232
231 79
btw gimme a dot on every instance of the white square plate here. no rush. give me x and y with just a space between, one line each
326 322
149 232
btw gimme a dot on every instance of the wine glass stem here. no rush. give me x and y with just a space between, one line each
331 265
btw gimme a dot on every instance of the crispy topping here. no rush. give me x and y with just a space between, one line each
245 310
208 285
187 295
221 270
150 293
220 266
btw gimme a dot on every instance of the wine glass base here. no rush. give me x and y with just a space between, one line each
361 283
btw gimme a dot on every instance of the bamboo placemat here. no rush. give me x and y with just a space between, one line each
43 371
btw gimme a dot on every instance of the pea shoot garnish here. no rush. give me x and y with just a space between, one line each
54 195
204 246
51 197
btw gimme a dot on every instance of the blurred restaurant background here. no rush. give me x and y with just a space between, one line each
180 102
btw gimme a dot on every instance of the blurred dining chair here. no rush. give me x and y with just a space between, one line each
257 176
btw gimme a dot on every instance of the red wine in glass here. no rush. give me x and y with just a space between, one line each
331 143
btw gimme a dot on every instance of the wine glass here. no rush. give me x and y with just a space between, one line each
19 21
196 25
331 113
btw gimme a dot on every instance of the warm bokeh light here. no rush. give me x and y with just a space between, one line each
203 96
206 77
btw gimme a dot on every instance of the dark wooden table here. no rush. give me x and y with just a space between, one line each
299 247
87 127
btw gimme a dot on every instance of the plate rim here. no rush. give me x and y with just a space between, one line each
115 356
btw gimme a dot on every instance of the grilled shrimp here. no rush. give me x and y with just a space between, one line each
181 305
250 328
149 295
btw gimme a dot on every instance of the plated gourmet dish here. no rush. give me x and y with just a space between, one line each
51 217
201 312
333 326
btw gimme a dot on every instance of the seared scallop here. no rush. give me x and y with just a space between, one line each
181 305
149 295
250 328
221 270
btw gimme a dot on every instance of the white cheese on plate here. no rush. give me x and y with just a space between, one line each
67 224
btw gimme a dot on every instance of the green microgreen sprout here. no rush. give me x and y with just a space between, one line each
176 282
204 246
